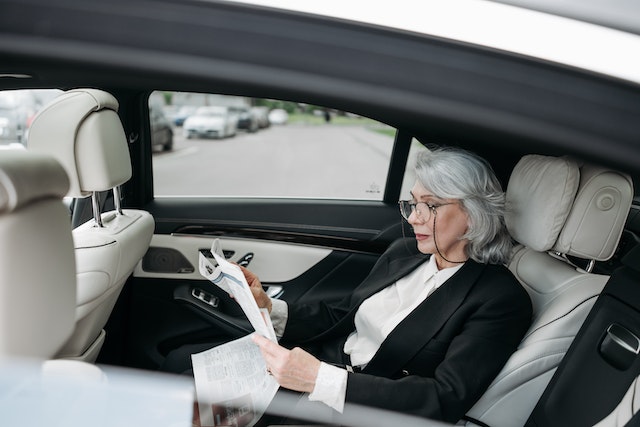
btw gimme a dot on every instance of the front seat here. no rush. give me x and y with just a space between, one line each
82 130
556 209
37 265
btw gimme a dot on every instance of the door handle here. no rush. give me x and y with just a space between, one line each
274 291
246 259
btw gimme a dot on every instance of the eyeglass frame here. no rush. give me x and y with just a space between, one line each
413 206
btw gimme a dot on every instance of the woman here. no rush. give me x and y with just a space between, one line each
435 320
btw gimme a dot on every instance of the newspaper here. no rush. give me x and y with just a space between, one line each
233 387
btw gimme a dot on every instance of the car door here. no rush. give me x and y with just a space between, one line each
309 206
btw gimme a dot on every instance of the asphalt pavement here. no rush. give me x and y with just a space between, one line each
325 161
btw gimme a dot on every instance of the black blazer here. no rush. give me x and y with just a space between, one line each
440 359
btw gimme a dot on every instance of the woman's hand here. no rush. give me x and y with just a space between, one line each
261 297
293 369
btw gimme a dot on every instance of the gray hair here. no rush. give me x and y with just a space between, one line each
452 173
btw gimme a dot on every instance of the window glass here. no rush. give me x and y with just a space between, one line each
409 174
17 110
215 145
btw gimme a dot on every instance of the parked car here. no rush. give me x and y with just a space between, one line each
278 116
262 114
247 120
555 80
161 129
211 122
183 113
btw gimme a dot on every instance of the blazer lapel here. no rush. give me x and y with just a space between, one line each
424 322
384 274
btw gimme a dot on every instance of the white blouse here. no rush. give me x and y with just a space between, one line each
375 319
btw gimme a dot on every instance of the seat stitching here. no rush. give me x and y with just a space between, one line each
528 362
633 397
102 245
558 318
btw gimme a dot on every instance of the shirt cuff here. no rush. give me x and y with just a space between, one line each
279 315
331 386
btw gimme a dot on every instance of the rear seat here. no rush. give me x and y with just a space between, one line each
556 208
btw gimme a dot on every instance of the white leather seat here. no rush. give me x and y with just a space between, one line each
37 265
555 208
81 129
38 313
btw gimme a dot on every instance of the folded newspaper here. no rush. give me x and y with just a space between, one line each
233 387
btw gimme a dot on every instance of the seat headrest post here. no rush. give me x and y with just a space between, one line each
116 200
97 213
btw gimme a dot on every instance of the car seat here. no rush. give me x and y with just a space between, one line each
81 129
556 209
37 265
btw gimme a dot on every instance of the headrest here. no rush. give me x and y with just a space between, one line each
26 177
81 128
555 204
600 209
539 196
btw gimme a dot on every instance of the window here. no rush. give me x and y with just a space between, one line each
17 110
247 147
409 178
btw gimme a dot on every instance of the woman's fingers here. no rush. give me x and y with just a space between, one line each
252 279
293 369
268 347
261 297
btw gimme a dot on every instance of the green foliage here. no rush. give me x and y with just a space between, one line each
289 107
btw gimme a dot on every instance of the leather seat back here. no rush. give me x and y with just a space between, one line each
37 265
81 128
557 209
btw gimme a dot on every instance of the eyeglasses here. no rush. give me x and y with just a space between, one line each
408 207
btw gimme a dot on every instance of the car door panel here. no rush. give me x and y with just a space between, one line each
272 261
168 306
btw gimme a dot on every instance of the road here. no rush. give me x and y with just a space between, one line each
332 161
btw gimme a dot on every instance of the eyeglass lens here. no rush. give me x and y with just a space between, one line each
407 207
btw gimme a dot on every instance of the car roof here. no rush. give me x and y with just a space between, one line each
618 14
566 32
